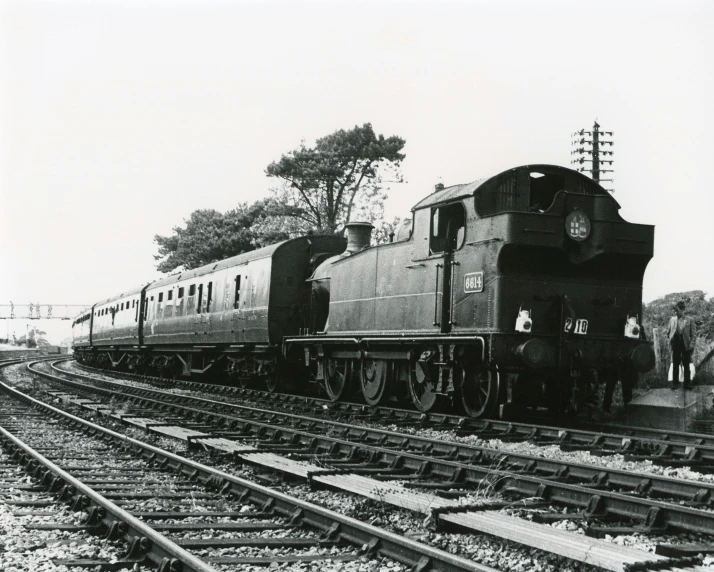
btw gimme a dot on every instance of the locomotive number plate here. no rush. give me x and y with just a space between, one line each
473 282
581 326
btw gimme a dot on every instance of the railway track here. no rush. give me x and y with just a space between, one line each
608 501
111 478
669 448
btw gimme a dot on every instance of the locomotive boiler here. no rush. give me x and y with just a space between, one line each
523 289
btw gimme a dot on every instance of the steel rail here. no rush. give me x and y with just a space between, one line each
602 438
334 525
143 539
591 497
701 493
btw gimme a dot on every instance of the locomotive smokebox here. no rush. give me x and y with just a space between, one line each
359 236
643 358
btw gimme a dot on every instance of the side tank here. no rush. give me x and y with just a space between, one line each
359 237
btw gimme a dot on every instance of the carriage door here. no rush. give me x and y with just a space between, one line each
197 326
447 236
237 287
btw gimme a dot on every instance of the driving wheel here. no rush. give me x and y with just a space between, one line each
479 391
338 378
271 381
375 380
421 389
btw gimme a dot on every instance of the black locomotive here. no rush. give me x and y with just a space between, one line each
523 289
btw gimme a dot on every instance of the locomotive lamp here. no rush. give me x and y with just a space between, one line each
632 329
577 225
523 322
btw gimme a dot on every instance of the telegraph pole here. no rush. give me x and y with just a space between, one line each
591 143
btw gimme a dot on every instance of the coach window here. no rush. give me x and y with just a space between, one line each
236 301
179 302
200 299
169 307
191 301
209 297
447 228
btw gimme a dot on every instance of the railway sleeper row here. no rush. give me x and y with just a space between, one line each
333 529
596 507
665 448
340 440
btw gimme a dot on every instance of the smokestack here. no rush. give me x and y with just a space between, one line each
359 236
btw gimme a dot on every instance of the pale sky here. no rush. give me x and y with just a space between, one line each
117 120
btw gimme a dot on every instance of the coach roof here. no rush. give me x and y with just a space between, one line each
265 252
237 260
121 296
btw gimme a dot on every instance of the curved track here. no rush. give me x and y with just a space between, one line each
643 503
153 548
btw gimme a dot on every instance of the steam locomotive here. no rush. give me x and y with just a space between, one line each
523 289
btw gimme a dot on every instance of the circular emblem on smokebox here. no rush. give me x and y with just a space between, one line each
577 225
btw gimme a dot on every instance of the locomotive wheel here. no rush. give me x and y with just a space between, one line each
479 391
271 382
421 390
176 369
243 381
338 378
375 379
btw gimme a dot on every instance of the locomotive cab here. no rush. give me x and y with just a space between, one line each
552 274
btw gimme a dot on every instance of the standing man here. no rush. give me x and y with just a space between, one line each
682 336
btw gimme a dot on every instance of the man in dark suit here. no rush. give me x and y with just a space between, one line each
682 335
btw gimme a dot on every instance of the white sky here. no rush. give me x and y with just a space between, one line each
117 120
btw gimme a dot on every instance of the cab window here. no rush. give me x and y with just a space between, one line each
447 228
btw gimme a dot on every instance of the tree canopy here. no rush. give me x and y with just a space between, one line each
209 236
323 186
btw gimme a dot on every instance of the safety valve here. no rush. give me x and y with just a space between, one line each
632 328
523 322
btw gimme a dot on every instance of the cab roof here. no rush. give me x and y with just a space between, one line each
455 192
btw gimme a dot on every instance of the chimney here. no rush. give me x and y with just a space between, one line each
438 187
359 235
